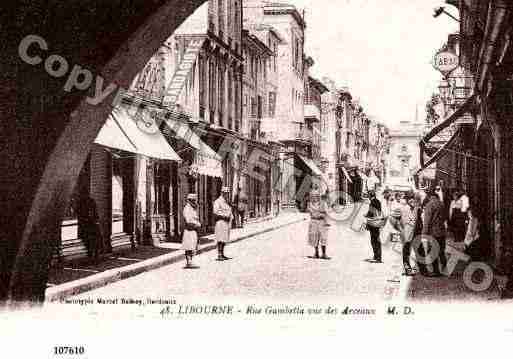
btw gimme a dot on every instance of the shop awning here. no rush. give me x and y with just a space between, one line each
442 151
206 161
442 126
148 144
316 172
111 135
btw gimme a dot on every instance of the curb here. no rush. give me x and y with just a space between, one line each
114 275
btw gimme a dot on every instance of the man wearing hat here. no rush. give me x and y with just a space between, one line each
375 211
433 230
192 224
223 216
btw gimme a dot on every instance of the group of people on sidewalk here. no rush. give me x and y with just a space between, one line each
223 216
421 221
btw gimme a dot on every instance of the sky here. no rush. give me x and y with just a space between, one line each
380 49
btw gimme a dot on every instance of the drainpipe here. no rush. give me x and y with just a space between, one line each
494 23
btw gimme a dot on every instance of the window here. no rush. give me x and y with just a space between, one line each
259 107
253 107
265 70
212 88
231 26
237 22
202 85
221 15
293 51
246 62
221 87
275 57
297 55
255 68
237 99
272 103
229 109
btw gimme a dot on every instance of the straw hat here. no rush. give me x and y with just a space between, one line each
192 196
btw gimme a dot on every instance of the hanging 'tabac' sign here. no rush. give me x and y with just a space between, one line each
445 62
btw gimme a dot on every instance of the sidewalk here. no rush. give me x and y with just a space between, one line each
72 280
453 288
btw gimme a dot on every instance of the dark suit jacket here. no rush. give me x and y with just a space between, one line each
434 218
374 208
374 211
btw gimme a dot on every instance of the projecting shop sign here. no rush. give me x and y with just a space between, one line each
445 62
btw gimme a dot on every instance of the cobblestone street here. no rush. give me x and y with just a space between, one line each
274 265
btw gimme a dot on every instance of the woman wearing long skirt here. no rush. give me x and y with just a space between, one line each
317 229
409 218
192 224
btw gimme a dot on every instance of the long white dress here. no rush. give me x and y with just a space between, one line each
222 228
317 228
408 220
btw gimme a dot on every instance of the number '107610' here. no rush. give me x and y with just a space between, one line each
67 350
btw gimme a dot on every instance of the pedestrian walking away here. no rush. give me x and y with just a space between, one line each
434 229
375 222
318 226
242 204
190 232
223 216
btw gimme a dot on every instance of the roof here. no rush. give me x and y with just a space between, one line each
284 8
270 29
318 85
246 35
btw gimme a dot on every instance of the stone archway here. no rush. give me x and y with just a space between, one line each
48 125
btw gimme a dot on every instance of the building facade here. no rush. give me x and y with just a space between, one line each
477 155
403 156
290 130
255 107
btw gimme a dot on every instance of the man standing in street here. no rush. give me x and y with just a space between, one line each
434 229
223 216
190 232
374 212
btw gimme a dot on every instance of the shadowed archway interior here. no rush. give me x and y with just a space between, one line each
47 131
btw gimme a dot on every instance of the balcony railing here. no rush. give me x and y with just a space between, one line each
304 134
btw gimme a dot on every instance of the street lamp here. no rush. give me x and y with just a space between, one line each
441 10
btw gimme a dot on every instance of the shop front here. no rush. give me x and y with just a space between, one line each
201 172
110 184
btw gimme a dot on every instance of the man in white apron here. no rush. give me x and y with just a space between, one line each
190 232
223 217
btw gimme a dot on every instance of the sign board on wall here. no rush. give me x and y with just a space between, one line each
445 62
180 76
